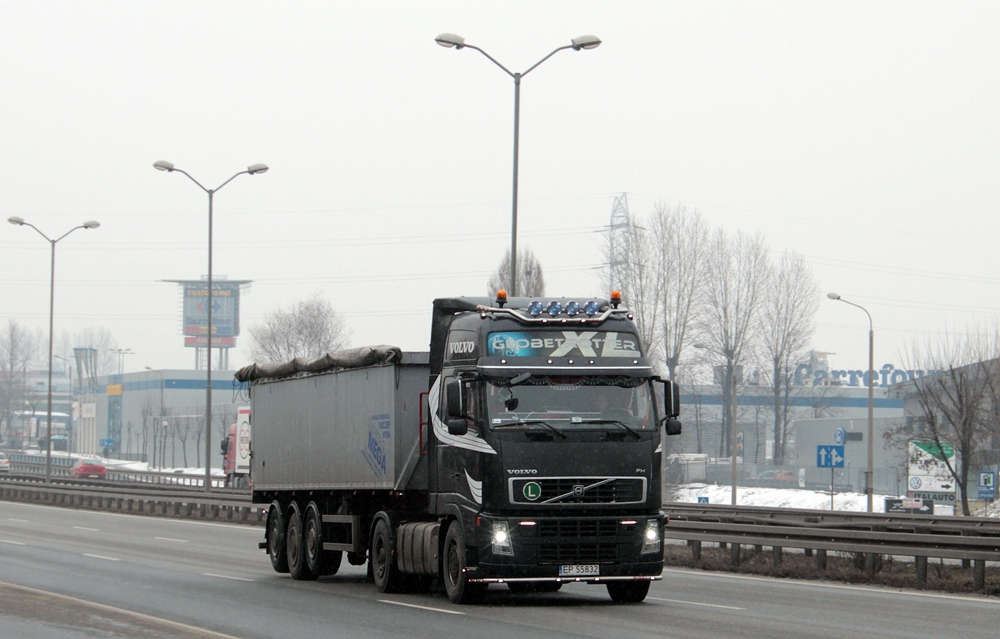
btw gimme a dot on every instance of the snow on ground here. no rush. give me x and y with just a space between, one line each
118 464
777 498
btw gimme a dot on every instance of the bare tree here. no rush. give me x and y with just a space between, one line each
637 276
308 329
681 239
183 430
199 433
735 285
530 281
786 326
18 345
956 403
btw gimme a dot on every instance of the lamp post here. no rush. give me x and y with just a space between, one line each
90 224
161 395
450 40
870 473
731 380
253 169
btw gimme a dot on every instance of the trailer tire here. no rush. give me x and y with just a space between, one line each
320 562
456 581
628 592
383 566
275 538
295 541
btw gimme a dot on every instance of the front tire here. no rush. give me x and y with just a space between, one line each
295 541
275 538
456 581
628 592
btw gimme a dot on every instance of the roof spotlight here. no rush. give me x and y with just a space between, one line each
554 308
572 308
591 308
535 308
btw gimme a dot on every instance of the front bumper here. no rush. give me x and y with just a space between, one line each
545 549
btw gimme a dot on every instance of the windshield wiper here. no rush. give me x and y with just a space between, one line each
611 421
530 422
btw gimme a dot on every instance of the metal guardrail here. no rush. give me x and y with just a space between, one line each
23 464
872 534
160 501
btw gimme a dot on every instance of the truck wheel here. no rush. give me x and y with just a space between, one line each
319 561
456 581
295 540
628 591
386 573
275 538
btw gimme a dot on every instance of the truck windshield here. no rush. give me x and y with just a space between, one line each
607 403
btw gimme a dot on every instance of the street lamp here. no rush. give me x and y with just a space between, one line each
731 377
870 473
161 402
90 224
449 41
253 169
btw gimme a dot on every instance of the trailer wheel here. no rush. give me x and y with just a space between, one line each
383 564
295 541
628 591
275 538
319 561
456 581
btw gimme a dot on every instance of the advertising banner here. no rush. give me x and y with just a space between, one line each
928 469
563 344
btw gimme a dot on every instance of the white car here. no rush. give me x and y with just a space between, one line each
4 464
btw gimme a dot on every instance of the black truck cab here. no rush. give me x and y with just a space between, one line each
546 445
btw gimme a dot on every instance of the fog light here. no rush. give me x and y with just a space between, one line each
651 539
501 539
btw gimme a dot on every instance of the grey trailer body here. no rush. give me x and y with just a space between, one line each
343 429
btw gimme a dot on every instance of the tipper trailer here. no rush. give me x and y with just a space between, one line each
524 449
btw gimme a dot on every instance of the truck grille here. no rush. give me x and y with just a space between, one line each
577 490
577 553
577 528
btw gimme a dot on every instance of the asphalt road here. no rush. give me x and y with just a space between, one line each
109 575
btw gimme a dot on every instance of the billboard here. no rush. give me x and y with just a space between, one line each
928 468
225 309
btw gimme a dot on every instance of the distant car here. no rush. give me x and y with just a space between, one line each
780 476
89 469
4 463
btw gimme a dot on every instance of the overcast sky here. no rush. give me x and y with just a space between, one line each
865 136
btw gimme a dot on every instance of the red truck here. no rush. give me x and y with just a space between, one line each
236 451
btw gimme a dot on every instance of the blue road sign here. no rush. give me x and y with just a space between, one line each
703 500
987 485
829 456
107 443
839 436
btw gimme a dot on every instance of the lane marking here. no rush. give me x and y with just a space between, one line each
101 557
212 574
409 605
799 582
180 541
23 521
201 632
695 603
257 530
14 543
85 528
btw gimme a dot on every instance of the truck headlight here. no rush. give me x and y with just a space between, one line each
501 539
651 538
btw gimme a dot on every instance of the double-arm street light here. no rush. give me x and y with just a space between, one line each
253 169
122 352
90 224
870 473
450 40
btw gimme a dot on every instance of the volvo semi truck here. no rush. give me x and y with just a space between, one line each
524 448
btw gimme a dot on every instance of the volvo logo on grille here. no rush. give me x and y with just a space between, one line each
578 490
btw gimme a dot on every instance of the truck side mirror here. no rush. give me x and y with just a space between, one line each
454 399
673 426
224 446
671 399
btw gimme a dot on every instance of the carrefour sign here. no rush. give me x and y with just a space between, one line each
883 378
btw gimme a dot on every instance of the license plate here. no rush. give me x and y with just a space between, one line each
580 571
